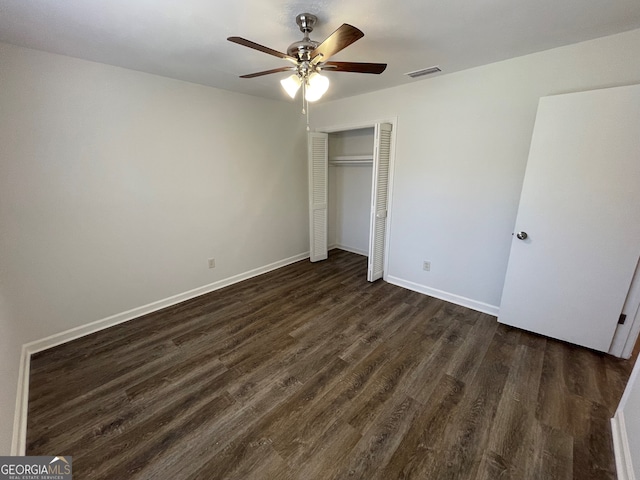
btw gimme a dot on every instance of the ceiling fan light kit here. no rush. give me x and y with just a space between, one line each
309 58
291 85
317 85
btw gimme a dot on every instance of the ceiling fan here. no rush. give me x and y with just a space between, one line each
309 58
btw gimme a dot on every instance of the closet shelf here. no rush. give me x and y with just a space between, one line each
351 160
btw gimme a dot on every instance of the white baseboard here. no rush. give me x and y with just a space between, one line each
349 249
621 448
81 331
19 438
442 295
18 442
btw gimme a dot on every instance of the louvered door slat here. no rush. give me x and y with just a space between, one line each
318 186
382 156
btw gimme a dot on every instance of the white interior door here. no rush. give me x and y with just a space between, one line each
579 206
318 186
379 200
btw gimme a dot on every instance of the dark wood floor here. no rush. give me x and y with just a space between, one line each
310 372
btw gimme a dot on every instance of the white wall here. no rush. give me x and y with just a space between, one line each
10 347
352 209
116 186
462 146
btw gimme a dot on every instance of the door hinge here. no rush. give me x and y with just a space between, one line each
622 319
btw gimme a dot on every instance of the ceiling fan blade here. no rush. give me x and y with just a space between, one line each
267 72
341 38
358 67
261 48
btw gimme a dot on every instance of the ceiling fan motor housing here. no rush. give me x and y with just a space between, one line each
303 48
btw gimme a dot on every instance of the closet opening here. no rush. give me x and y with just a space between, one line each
349 177
349 201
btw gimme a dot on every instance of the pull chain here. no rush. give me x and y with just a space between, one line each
304 94
305 103
307 115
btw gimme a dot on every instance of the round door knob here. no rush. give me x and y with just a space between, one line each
522 235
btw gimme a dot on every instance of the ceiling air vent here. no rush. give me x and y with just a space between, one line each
423 72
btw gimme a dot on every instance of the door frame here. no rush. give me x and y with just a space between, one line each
371 124
626 336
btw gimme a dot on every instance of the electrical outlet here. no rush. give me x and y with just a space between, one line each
426 266
212 263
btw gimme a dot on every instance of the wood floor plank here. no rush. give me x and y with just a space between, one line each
513 430
405 355
165 431
592 457
426 376
582 371
556 454
468 435
244 443
311 372
418 453
310 426
378 443
464 365
331 448
492 467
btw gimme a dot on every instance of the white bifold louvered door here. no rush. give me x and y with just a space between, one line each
379 200
318 193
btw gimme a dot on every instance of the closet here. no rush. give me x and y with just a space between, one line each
349 203
348 193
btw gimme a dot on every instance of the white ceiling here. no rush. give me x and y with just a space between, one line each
186 39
